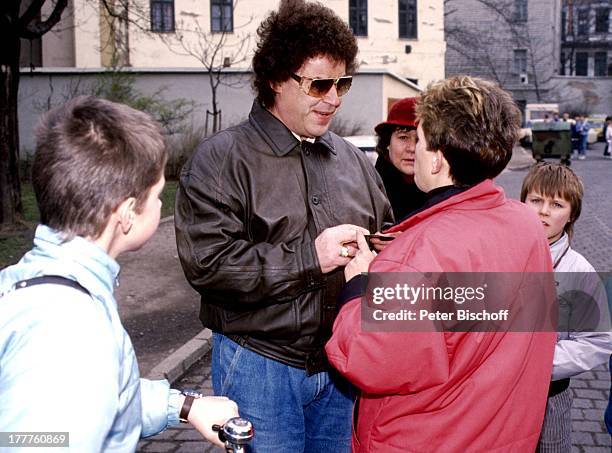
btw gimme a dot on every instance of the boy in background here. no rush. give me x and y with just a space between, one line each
66 362
582 130
554 192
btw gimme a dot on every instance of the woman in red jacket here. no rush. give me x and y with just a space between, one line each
453 391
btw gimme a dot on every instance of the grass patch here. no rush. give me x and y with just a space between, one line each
28 200
15 243
167 197
12 248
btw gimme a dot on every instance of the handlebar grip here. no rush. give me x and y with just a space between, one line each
235 433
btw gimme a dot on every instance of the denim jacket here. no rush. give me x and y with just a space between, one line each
66 362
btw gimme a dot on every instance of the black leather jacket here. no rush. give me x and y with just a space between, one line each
250 204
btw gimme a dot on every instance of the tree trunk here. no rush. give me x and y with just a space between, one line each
10 188
213 92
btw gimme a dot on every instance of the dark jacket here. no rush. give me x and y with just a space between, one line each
250 204
405 197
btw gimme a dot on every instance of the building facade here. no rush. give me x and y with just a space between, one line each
512 42
401 45
396 35
586 38
542 51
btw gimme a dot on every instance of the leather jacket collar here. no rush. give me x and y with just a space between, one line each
277 135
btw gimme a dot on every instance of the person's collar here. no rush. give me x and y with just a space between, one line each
438 195
77 253
558 247
305 139
442 193
280 139
434 197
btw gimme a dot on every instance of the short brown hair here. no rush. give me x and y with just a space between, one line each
298 31
556 180
473 122
91 155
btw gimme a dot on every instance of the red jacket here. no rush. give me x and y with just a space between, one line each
451 392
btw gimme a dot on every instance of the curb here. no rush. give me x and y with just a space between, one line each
178 363
166 219
521 159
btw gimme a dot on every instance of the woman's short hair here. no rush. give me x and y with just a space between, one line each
556 180
296 32
384 137
473 122
91 155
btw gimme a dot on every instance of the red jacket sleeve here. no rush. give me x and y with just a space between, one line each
386 362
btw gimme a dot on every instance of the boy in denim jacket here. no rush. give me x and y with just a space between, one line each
66 363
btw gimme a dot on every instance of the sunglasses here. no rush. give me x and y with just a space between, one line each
320 87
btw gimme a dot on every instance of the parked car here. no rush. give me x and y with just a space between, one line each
366 143
597 125
538 112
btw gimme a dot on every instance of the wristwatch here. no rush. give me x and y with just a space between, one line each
189 395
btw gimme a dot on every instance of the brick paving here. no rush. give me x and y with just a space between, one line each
593 238
183 438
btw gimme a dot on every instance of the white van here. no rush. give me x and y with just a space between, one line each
366 143
535 113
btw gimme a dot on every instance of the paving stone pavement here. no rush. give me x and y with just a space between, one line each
593 238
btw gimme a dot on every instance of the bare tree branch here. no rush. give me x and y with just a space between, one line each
39 28
31 13
213 50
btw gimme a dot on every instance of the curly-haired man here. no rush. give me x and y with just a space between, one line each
267 214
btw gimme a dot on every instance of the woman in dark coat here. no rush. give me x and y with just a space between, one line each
395 164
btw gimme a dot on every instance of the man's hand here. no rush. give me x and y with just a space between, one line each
362 260
380 244
336 246
211 410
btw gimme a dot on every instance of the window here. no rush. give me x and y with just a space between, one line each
407 19
602 20
601 64
563 25
520 10
582 63
221 16
583 22
520 61
358 17
162 15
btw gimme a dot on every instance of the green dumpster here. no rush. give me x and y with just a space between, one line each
552 140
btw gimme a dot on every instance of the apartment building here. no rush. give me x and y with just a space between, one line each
401 48
557 51
586 38
512 42
403 36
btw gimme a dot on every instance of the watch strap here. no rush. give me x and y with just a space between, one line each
184 414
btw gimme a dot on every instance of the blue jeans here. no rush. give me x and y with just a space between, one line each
290 412
608 414
584 142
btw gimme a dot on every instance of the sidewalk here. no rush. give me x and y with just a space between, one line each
590 391
157 306
187 364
